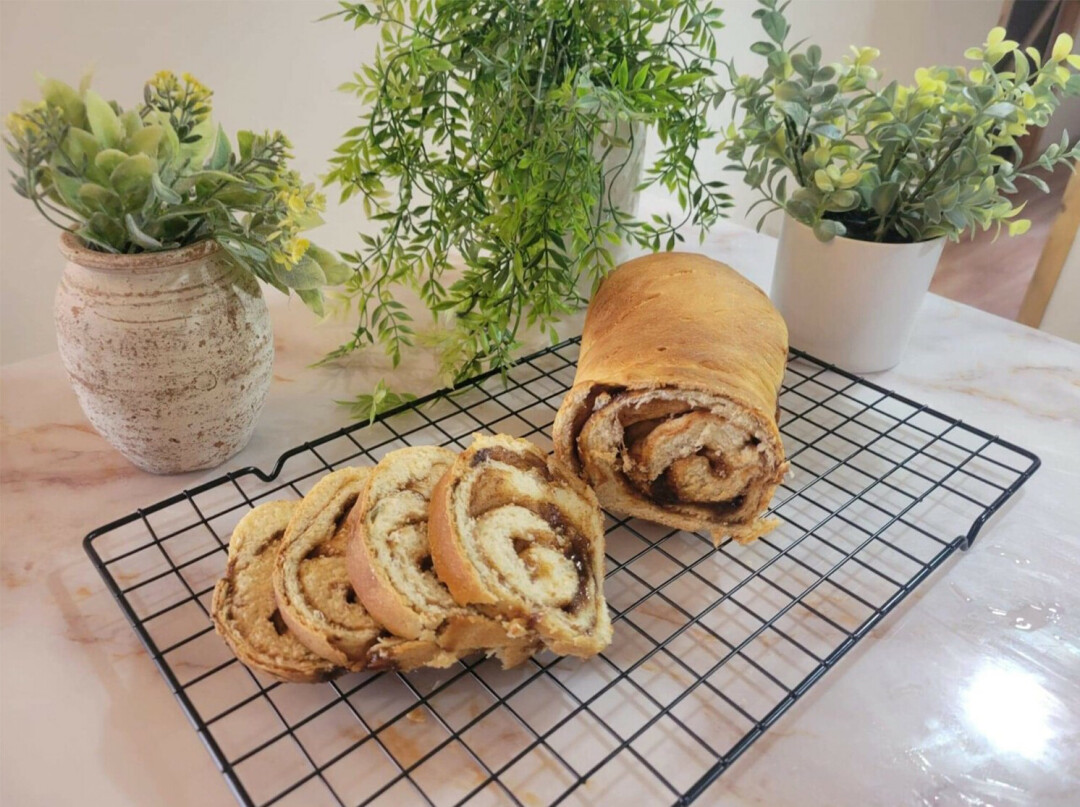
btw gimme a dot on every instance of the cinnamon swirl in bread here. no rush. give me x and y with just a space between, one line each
390 565
512 534
244 610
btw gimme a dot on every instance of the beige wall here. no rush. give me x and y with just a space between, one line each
272 65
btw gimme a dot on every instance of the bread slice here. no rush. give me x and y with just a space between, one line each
513 534
244 610
390 564
310 582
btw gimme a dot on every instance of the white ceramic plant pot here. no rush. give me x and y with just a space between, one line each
170 353
850 303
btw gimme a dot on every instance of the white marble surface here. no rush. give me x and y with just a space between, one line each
968 694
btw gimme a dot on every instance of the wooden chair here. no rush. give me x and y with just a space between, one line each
1052 301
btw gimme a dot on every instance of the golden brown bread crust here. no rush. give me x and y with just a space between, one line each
672 415
512 534
244 610
370 577
310 581
448 554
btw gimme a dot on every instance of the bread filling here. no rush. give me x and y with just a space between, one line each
684 450
527 529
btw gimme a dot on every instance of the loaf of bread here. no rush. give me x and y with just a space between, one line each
390 565
244 610
672 415
514 536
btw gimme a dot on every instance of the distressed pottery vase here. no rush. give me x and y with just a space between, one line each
170 353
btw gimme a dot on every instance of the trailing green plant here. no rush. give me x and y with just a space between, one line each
162 176
899 163
495 132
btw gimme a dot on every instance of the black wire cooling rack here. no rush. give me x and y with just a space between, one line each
711 646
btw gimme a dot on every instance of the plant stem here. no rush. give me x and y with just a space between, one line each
888 221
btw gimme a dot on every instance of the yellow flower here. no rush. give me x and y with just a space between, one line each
297 247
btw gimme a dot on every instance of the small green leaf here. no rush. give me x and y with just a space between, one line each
219 157
104 122
313 299
108 159
883 197
163 191
145 141
335 270
827 229
99 199
244 139
775 26
305 275
131 180
138 236
58 94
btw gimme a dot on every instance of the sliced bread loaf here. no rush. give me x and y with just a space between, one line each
244 610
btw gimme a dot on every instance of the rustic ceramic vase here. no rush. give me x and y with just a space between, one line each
170 353
851 303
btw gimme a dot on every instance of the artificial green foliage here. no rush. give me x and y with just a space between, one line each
382 399
163 176
899 163
483 145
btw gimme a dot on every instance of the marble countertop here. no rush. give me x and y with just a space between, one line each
968 694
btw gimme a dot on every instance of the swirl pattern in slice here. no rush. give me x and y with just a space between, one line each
244 609
311 584
515 536
391 568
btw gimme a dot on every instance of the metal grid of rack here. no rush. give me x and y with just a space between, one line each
711 646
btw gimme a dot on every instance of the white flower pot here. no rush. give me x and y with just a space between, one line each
170 353
850 303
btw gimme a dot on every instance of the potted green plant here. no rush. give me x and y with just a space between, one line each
873 180
161 322
499 153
